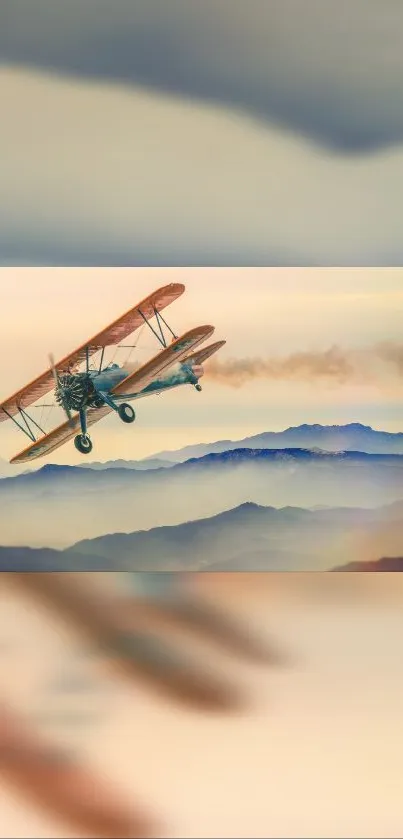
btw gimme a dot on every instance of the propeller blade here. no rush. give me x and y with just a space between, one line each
60 389
53 369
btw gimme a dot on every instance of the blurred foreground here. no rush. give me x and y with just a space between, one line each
201 705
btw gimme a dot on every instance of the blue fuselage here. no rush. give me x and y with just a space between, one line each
110 377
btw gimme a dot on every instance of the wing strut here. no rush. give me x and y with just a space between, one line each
27 420
159 317
101 361
160 320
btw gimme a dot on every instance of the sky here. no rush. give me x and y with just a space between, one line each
270 314
213 132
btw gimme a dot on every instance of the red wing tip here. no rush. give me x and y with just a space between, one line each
206 331
176 288
21 458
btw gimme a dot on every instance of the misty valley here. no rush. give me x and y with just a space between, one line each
231 505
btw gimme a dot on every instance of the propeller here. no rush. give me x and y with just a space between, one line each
61 391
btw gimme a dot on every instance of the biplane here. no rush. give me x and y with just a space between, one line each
87 389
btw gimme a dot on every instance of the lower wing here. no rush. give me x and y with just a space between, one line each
59 436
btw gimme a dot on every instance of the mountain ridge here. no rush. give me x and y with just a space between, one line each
274 538
249 537
374 441
385 564
227 456
26 559
307 436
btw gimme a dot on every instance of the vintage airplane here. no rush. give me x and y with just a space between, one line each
87 395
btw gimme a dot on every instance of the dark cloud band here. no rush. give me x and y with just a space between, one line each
331 71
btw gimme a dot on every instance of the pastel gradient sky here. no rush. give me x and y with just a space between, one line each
266 312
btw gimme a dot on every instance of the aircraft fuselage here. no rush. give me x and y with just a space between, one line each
84 390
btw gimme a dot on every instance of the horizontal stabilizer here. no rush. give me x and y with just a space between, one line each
200 356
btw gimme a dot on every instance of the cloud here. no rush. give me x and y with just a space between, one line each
95 173
381 364
331 71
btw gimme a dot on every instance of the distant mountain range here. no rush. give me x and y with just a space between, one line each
247 538
385 564
351 437
333 438
8 470
142 465
60 505
255 538
47 559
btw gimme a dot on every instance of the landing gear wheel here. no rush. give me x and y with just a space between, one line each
126 413
198 388
83 443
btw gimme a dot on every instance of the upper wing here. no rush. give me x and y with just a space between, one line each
200 356
136 382
113 334
177 351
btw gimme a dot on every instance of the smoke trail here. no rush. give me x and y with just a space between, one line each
381 364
